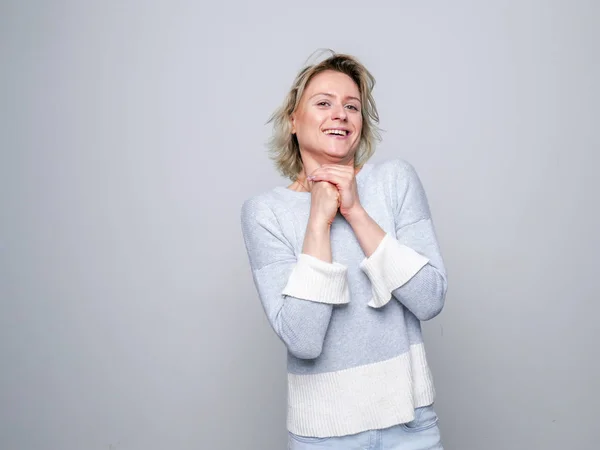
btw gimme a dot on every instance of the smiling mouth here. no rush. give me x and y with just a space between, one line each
337 132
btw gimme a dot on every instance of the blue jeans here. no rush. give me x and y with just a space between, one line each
422 433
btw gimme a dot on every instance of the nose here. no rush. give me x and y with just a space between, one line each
339 113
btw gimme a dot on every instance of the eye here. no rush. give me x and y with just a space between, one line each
323 103
352 107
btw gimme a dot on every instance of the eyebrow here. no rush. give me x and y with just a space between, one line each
331 95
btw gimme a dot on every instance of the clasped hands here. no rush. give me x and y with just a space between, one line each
343 177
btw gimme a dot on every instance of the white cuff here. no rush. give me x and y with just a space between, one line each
390 266
318 281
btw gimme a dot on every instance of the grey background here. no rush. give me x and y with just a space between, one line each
130 134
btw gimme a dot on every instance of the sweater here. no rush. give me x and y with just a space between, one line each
352 327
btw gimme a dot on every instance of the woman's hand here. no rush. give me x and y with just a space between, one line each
343 178
325 201
366 230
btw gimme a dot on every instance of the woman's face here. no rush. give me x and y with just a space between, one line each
328 120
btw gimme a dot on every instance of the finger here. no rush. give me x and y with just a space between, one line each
339 172
337 168
332 178
323 176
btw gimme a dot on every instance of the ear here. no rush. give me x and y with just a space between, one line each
293 122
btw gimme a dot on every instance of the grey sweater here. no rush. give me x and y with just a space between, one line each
356 359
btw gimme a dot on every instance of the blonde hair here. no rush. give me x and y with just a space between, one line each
283 145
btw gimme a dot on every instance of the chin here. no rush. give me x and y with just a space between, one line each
340 152
333 153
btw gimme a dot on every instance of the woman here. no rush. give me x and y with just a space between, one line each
346 264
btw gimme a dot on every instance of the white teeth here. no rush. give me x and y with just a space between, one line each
340 132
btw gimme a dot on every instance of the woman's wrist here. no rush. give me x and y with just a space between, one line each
355 215
317 240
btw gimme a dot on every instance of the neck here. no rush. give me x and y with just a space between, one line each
301 184
311 163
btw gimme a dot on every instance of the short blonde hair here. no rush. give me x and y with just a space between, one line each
283 145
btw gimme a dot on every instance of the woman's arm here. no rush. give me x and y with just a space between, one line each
297 293
406 265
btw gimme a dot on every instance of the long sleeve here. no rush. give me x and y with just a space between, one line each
408 265
296 292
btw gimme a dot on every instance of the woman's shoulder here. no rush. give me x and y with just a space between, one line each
390 170
257 204
270 204
394 165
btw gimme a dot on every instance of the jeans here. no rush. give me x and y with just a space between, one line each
422 433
